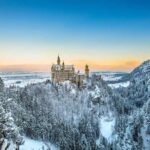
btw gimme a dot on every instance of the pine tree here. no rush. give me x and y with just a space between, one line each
1 85
84 143
8 131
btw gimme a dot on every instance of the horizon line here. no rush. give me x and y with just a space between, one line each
47 67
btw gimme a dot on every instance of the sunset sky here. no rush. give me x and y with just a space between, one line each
106 34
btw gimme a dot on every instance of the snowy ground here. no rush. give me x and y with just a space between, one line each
36 145
110 76
114 76
30 144
21 79
106 128
121 84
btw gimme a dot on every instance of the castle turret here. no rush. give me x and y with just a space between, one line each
63 65
52 73
87 71
58 60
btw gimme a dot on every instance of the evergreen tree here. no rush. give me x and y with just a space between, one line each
8 131
1 85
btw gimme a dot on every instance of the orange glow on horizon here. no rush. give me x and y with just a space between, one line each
79 65
108 66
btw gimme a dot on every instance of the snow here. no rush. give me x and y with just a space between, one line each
23 79
36 145
30 144
111 76
22 83
114 76
106 126
96 93
73 91
121 84
144 67
146 137
4 145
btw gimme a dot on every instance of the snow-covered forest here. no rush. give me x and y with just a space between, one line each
65 117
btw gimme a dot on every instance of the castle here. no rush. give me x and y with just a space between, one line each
61 72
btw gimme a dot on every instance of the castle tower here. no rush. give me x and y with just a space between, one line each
63 65
52 74
87 71
58 60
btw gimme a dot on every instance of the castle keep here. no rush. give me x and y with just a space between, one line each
61 72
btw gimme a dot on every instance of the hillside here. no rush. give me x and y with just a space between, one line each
134 101
139 71
63 114
142 71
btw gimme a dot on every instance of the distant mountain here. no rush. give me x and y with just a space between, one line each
132 126
139 72
138 91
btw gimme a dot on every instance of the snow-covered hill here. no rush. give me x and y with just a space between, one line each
138 72
132 124
139 89
61 113
144 68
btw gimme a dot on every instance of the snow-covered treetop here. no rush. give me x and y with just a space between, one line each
143 68
140 73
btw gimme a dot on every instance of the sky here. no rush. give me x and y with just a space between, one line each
108 35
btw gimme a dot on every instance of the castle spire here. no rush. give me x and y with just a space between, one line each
87 71
58 60
63 65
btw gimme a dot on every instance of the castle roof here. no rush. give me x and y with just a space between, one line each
69 67
59 67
